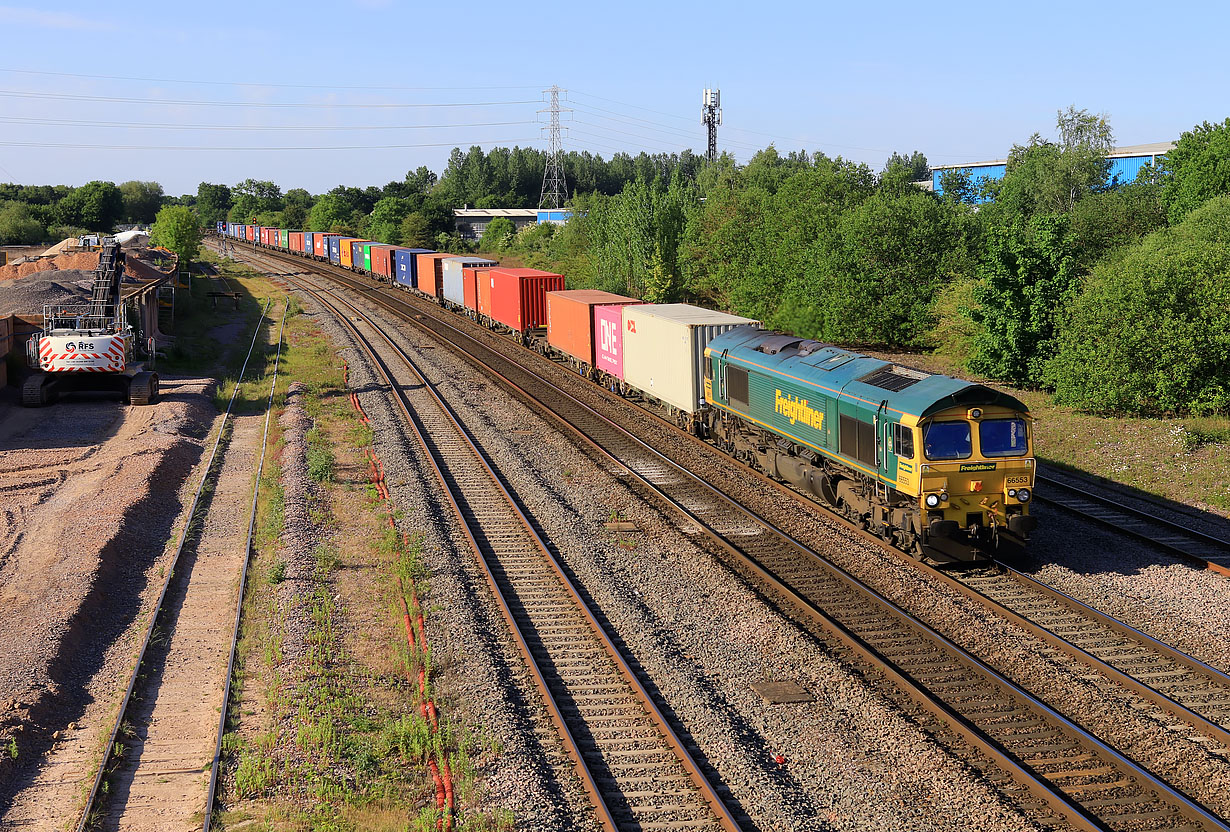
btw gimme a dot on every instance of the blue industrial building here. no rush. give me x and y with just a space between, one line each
1125 164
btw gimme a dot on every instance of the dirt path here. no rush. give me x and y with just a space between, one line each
161 784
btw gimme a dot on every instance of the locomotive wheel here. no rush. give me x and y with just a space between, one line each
143 389
36 392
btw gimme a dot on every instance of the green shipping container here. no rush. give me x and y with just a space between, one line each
284 238
367 256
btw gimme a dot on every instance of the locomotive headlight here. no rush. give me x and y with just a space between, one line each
1011 492
1023 495
975 413
933 500
943 496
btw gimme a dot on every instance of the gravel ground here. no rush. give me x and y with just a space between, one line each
1147 734
851 760
481 679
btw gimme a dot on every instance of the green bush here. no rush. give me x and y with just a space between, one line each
1150 332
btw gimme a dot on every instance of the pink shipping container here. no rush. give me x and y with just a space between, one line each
518 297
570 320
296 241
608 340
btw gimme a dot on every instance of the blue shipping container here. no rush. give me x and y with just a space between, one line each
407 265
307 241
335 250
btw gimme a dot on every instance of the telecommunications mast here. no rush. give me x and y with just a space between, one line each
711 117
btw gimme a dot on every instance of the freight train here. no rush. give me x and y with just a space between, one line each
941 468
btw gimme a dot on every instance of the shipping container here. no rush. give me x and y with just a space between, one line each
664 349
346 246
571 326
406 265
296 241
367 255
251 234
451 269
324 244
220 227
356 253
335 250
283 238
517 297
429 279
382 261
469 286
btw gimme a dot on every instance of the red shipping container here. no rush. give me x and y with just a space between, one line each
518 297
251 234
382 260
321 245
469 285
431 273
570 320
296 241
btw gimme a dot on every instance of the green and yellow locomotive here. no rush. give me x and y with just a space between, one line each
939 467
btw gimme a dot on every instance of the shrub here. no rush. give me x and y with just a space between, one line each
1150 332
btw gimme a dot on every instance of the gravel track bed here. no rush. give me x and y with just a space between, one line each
1131 724
1184 606
481 680
851 760
1211 520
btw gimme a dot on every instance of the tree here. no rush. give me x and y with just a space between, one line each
177 228
96 205
254 196
415 232
1029 275
1045 177
18 226
1197 169
332 212
141 200
212 202
497 235
298 204
386 219
914 165
1150 332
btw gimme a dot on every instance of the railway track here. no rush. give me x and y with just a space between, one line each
149 772
1184 542
636 770
1059 773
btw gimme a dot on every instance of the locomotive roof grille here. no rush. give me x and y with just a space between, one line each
893 378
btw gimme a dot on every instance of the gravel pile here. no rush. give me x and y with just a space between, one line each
300 536
80 261
850 759
29 295
480 679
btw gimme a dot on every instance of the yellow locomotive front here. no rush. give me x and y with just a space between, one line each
974 481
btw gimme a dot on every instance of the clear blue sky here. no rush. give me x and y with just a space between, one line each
959 81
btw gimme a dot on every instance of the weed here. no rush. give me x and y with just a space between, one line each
327 558
277 572
319 455
12 749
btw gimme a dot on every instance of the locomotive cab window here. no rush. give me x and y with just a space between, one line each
903 441
1003 437
947 440
736 386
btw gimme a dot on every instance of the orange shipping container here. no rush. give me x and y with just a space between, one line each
570 320
469 286
431 274
345 251
382 260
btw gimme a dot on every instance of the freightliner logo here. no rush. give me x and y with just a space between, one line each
797 410
978 466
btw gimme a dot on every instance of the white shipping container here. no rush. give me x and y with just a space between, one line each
450 268
664 349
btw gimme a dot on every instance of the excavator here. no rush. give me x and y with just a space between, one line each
90 346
